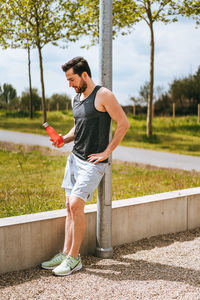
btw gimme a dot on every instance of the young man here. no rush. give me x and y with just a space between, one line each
93 108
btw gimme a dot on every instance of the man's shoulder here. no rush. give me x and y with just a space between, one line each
104 93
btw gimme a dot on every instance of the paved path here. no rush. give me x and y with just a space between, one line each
151 157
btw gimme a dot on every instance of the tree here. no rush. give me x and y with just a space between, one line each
24 101
152 11
186 91
61 99
8 96
2 101
11 39
43 22
125 15
144 94
30 83
162 105
5 26
16 37
8 92
142 100
190 8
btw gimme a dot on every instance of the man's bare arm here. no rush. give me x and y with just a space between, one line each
69 137
117 114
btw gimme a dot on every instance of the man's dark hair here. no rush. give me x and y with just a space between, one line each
79 65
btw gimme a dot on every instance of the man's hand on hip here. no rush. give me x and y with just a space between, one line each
97 157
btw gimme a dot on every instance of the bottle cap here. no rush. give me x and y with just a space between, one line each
45 124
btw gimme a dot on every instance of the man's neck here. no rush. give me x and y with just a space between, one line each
90 87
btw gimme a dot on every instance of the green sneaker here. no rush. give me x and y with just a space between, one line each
54 261
69 265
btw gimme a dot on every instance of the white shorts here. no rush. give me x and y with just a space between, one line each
82 177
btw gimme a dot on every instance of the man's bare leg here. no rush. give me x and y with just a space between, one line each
57 259
68 229
78 224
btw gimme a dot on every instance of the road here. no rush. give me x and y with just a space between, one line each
129 154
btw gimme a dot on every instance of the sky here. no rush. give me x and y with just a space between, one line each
177 54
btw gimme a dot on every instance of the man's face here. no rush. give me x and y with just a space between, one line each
76 81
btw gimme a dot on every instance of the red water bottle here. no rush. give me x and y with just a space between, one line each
55 137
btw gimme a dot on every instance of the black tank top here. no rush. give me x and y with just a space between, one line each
91 127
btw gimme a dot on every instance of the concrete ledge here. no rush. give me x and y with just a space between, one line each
29 239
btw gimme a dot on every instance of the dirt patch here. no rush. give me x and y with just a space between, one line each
29 148
137 165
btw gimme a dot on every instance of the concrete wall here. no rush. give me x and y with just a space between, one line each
26 241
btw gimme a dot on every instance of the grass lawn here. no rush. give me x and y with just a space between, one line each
181 135
31 179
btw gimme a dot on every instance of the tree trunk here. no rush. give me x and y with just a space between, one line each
150 96
42 84
30 85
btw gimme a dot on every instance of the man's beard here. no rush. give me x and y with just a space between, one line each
83 86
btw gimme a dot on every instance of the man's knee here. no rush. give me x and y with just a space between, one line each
76 205
68 206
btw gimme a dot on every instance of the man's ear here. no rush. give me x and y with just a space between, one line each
84 75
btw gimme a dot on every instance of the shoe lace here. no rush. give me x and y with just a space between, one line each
57 257
71 262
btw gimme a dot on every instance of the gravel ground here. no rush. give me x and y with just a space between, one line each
162 267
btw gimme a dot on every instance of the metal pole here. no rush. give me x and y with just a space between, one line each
104 202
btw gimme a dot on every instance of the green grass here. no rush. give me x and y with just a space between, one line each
181 135
31 181
61 121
